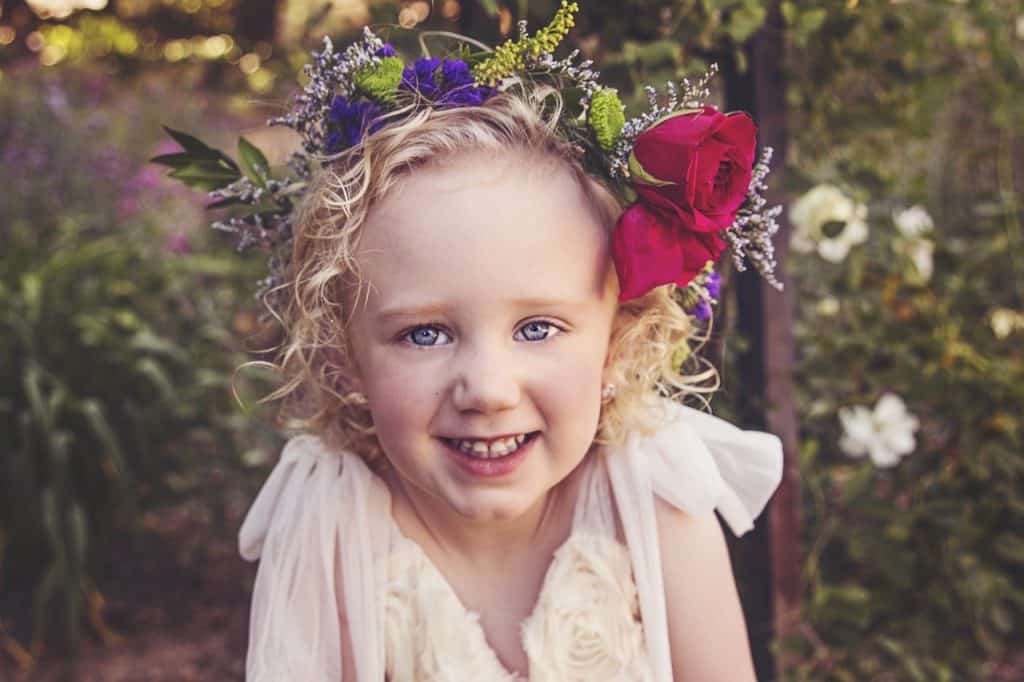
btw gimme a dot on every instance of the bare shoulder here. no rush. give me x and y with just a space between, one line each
707 633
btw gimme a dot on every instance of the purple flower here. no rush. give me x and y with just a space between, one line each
347 122
178 244
385 51
702 311
713 284
447 83
455 74
420 77
460 88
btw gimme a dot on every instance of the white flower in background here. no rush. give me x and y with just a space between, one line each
828 306
1005 321
920 252
829 222
885 434
913 222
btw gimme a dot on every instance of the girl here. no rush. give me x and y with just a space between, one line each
494 481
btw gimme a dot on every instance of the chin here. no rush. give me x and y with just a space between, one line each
491 507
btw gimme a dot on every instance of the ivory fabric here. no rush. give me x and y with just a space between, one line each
324 514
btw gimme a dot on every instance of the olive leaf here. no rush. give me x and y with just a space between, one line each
254 163
198 165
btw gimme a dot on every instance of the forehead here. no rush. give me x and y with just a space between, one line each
480 228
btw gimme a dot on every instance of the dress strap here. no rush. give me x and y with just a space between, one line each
320 515
595 511
697 463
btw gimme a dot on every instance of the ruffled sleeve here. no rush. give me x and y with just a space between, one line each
316 518
698 463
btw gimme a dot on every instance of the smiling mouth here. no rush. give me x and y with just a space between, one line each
502 447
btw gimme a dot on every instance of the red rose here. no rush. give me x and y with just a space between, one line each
691 172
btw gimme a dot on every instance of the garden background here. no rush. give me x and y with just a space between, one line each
127 461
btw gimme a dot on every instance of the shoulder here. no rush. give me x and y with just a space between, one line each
707 633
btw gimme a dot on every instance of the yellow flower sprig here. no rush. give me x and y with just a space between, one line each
510 56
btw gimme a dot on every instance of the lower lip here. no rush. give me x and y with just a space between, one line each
496 466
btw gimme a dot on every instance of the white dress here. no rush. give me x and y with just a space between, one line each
600 614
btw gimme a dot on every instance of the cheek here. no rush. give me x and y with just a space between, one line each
571 390
401 396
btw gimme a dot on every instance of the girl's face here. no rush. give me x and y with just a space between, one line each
490 307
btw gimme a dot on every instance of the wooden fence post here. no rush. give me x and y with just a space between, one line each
769 562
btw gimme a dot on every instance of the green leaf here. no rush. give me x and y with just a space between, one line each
190 143
254 163
97 418
205 176
195 150
744 21
857 484
1010 547
491 7
150 369
175 160
79 531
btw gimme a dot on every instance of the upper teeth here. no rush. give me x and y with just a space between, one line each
490 448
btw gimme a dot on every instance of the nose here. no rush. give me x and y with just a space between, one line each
485 380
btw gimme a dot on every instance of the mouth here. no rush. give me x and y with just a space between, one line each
495 448
484 459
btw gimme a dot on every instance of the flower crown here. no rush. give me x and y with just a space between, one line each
686 170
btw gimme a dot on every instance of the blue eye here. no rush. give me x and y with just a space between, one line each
425 336
539 330
429 335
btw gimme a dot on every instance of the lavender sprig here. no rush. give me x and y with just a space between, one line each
692 95
330 74
579 74
750 235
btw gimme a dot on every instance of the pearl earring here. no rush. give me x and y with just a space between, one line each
608 391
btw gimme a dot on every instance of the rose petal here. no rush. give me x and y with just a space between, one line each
739 131
665 150
651 249
690 219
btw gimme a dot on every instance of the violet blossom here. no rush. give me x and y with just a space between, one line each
348 122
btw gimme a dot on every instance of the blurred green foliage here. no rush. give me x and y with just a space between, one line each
912 572
118 344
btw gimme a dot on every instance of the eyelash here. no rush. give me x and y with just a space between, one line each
404 336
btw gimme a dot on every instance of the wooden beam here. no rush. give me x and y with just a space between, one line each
766 397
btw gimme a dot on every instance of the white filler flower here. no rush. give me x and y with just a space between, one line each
829 222
885 434
913 222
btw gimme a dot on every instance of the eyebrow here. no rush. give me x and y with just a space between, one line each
437 308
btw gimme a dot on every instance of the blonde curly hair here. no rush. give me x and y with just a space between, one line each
324 284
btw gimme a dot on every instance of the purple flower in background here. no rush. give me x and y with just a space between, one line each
178 244
420 77
385 51
349 121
